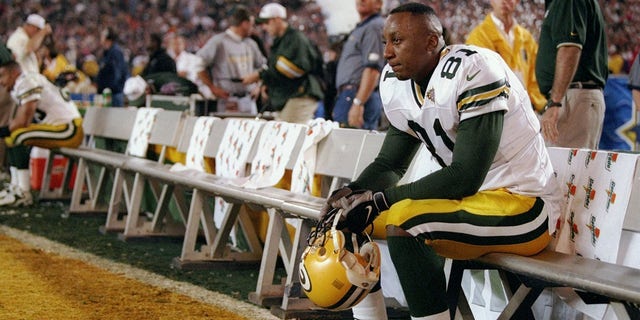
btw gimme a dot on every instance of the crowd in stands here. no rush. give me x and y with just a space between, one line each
77 23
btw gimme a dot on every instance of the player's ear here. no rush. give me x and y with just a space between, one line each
433 41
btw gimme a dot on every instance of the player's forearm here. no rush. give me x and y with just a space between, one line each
36 41
368 83
205 78
24 116
567 60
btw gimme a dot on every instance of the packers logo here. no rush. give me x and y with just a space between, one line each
305 282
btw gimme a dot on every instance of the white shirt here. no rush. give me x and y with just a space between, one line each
509 36
18 44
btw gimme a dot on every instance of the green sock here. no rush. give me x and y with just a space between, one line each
421 273
18 156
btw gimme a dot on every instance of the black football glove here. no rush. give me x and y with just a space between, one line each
337 200
363 208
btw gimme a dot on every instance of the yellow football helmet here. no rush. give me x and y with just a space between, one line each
336 272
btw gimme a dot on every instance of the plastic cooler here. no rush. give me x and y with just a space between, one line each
37 163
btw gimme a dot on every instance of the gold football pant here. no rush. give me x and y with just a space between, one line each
48 136
44 136
489 221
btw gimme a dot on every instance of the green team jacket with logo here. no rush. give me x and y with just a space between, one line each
292 59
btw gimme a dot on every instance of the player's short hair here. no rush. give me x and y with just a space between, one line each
239 14
414 8
156 38
417 9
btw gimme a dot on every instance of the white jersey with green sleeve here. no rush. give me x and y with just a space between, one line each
470 81
54 105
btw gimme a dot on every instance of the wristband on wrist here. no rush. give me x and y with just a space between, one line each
357 102
552 104
5 132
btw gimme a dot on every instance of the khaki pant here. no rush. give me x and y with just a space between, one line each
298 110
581 118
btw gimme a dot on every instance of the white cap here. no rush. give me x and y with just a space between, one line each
36 20
272 10
134 88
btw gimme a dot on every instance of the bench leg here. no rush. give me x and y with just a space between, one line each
196 214
132 220
114 223
267 293
519 306
294 297
86 181
455 295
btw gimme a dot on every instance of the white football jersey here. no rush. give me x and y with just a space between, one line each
54 105
467 82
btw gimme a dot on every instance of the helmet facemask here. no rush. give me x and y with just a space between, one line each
338 269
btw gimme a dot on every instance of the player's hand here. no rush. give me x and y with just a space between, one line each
549 124
219 92
47 29
356 116
337 199
251 78
363 208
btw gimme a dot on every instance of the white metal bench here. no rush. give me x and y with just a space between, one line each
128 186
98 123
162 179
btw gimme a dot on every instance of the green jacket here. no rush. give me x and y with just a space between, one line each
293 57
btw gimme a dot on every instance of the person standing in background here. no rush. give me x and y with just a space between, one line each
501 33
572 70
232 55
159 59
294 91
114 70
25 41
358 103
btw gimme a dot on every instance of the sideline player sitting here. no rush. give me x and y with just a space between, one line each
44 117
495 188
